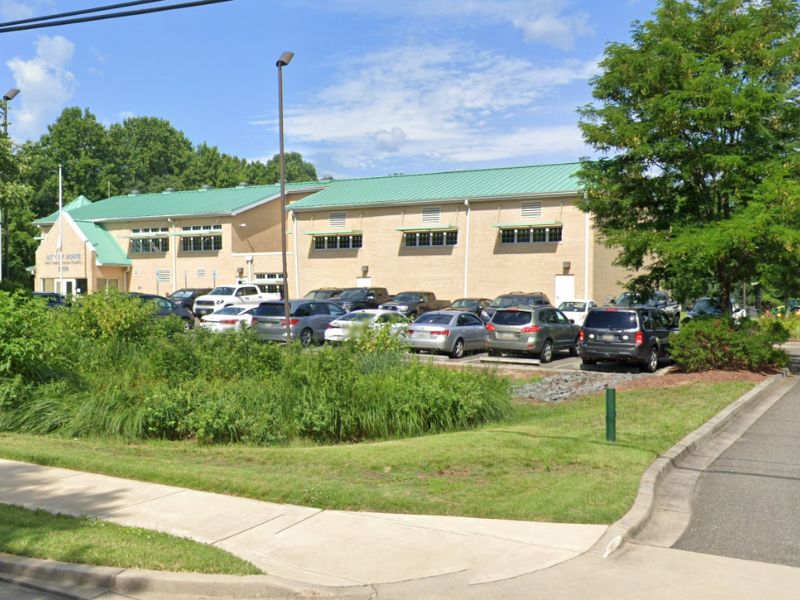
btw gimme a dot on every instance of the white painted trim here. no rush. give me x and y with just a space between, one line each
466 251
255 204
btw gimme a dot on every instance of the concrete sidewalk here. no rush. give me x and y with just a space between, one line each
320 547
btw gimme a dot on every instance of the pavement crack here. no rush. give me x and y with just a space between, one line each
298 522
246 529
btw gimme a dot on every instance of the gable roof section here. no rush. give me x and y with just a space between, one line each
79 202
193 203
453 185
108 250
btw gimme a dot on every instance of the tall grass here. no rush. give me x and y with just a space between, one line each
133 376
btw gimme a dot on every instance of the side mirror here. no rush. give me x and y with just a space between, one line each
572 321
370 296
612 301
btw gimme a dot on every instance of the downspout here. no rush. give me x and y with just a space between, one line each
586 256
294 251
466 252
174 255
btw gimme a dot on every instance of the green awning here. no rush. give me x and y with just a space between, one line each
427 228
335 232
527 225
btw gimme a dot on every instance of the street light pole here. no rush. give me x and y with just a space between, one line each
285 59
9 95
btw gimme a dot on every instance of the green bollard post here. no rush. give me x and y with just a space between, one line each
611 414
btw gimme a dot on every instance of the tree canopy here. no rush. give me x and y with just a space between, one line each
697 123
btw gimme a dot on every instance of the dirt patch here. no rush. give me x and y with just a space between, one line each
676 379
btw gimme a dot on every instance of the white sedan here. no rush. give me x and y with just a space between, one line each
349 325
231 317
576 310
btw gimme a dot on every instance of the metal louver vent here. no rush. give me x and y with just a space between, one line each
531 210
337 220
162 275
431 214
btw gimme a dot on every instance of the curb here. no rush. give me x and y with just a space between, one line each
84 582
638 516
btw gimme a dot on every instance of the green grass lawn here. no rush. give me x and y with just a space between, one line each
39 534
545 462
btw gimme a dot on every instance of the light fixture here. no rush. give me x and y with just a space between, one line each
10 94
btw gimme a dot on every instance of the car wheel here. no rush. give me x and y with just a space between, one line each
187 324
546 355
458 349
306 337
676 322
588 362
652 360
573 350
493 352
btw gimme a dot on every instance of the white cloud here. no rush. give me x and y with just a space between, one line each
46 84
447 102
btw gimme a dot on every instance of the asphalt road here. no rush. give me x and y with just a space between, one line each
746 503
9 591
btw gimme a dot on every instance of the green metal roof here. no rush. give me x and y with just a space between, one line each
108 250
223 201
79 202
427 187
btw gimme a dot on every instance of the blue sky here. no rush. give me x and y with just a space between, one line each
376 86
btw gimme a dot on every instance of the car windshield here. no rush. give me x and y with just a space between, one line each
356 316
432 318
231 310
572 306
222 291
610 319
407 297
270 310
464 303
511 317
506 301
353 294
181 294
707 306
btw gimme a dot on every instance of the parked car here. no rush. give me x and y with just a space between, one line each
307 321
514 299
323 293
225 295
349 325
576 310
185 297
541 330
450 331
167 308
356 298
228 318
473 305
657 299
635 335
711 307
413 304
53 299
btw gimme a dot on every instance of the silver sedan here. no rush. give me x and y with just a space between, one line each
449 331
353 323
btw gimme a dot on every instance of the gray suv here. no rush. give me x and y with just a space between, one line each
633 335
541 330
514 299
308 320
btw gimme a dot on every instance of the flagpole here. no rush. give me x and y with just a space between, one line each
60 236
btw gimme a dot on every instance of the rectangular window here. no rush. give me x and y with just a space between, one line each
202 243
531 210
531 235
431 214
150 245
107 284
337 242
430 238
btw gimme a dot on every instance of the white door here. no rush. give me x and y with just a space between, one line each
565 288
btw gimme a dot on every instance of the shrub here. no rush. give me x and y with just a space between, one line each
704 344
28 347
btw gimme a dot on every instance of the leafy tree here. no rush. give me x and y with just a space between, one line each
19 244
691 118
209 166
148 155
297 169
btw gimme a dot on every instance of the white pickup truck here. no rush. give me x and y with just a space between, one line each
226 295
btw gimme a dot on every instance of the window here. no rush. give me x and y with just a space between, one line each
337 242
532 235
149 245
208 238
431 214
107 284
430 238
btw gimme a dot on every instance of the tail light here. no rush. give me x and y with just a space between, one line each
531 329
582 336
441 332
639 339
291 322
490 327
409 331
228 322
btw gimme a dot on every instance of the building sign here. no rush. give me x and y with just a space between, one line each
73 259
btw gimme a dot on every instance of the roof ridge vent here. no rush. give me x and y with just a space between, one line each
242 184
169 190
133 193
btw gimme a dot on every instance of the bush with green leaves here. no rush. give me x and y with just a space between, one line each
704 344
27 347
